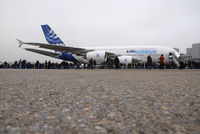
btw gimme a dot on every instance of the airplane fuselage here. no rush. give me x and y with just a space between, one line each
141 52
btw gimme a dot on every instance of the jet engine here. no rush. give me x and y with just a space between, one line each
98 56
125 59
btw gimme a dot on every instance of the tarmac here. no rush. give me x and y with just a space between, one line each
100 101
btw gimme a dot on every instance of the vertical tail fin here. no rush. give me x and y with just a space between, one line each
51 36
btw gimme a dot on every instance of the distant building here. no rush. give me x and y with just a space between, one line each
189 53
194 52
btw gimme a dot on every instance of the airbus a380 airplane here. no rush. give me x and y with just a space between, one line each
126 54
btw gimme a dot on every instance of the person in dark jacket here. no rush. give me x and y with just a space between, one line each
116 62
149 62
91 63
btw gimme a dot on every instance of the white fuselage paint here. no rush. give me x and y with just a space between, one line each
140 52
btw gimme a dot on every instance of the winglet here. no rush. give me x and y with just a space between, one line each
20 42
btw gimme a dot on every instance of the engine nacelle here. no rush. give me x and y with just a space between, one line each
125 59
98 56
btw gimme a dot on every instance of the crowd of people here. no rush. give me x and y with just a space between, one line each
23 64
183 64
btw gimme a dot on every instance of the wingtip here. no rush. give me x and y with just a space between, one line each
20 43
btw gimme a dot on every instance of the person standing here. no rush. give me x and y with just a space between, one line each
149 62
94 63
181 59
91 62
20 64
49 64
116 61
189 64
37 65
45 64
5 64
162 59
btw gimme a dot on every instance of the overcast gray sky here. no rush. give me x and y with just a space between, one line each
172 23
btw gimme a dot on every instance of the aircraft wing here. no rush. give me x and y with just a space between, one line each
111 55
74 50
137 59
54 55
